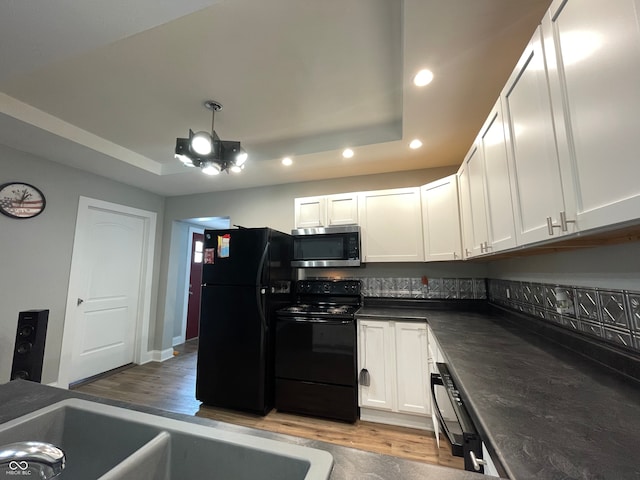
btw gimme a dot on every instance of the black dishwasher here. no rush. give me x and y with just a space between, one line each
461 432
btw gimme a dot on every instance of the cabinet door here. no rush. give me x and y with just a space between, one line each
593 54
535 171
376 355
472 207
412 370
310 212
342 209
441 220
391 222
499 205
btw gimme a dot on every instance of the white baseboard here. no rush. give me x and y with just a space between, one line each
161 355
178 340
392 418
53 384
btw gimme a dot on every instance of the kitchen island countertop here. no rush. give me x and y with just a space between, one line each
546 411
20 397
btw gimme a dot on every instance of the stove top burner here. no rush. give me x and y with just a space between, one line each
326 298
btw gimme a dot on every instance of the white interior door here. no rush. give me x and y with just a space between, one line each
106 290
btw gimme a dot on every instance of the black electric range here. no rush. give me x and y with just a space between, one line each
316 354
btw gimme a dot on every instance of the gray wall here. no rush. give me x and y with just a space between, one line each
611 266
35 257
35 254
255 207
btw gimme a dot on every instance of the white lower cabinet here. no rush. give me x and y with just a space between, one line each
489 465
394 377
376 347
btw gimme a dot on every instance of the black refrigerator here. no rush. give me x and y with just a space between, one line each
246 277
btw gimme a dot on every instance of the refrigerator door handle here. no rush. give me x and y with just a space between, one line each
260 291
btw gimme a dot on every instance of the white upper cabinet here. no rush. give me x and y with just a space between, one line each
310 212
441 220
342 209
326 210
391 224
498 201
472 208
593 55
534 162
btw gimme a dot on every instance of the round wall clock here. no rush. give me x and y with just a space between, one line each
21 200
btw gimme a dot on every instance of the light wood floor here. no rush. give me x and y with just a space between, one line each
170 386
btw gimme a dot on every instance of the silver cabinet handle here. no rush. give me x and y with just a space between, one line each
564 221
475 461
467 252
551 226
364 378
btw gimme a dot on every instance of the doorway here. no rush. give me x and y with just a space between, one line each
195 277
109 297
189 287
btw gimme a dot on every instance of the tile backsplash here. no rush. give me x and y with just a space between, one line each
609 315
443 288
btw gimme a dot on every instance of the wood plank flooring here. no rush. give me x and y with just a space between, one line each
170 385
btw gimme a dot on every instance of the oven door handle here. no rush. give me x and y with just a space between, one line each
436 379
314 320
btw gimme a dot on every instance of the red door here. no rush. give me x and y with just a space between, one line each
193 309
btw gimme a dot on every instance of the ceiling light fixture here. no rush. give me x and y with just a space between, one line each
207 151
347 153
415 143
286 161
423 77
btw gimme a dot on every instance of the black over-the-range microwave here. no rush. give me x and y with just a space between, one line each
337 246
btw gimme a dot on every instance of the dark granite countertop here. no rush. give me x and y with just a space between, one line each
546 412
20 397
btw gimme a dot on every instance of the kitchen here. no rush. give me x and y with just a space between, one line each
609 267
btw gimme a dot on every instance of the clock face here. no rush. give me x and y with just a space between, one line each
21 200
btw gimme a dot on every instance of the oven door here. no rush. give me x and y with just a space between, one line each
457 426
316 349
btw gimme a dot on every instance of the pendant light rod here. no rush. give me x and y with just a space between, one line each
214 107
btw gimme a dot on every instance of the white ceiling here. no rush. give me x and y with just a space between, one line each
108 86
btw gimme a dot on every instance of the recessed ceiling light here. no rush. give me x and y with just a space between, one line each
347 153
415 143
423 77
287 161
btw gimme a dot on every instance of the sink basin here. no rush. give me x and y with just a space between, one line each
111 443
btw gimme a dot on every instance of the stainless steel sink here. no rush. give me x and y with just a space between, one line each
110 443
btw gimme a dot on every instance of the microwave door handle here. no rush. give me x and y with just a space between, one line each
436 379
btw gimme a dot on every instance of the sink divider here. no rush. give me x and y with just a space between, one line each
150 462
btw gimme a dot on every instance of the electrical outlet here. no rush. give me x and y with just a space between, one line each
564 303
